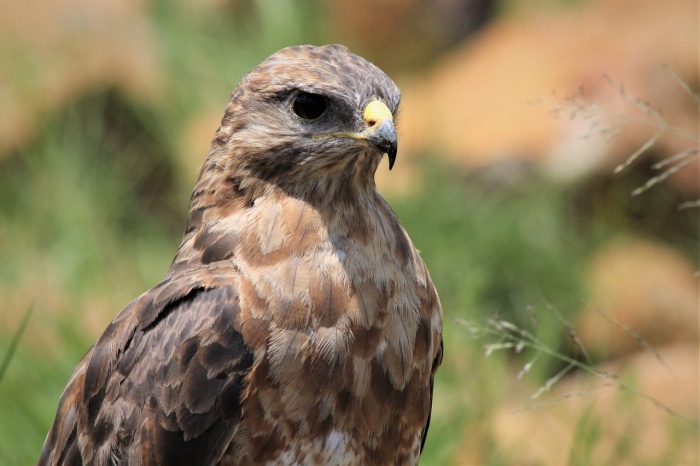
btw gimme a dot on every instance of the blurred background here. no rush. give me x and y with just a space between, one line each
548 171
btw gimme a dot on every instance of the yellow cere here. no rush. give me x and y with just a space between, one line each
375 112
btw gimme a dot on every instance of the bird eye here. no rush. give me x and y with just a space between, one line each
309 106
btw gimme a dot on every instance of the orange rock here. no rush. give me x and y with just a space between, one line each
494 97
650 288
57 50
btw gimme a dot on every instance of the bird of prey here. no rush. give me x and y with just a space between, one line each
297 323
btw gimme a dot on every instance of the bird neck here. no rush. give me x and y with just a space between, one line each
230 198
327 185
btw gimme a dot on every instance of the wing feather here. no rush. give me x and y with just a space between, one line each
436 364
162 385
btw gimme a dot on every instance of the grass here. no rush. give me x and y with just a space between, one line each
13 344
485 257
69 315
91 213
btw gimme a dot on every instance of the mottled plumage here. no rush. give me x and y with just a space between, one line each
297 323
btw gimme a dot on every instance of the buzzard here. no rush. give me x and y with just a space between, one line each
297 323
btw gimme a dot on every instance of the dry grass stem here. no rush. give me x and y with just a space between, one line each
511 337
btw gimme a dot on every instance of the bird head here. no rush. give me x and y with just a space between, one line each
309 114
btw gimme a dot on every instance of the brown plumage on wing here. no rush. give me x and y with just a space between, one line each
297 323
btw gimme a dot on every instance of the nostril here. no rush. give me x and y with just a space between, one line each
371 123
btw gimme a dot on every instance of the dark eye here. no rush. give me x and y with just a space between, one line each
309 106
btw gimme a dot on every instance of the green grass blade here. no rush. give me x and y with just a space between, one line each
14 342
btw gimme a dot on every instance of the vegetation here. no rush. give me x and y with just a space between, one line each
92 210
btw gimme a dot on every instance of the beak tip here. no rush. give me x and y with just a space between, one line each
392 158
384 138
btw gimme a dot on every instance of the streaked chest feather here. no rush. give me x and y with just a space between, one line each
347 306
335 448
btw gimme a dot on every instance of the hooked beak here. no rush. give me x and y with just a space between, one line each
380 130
